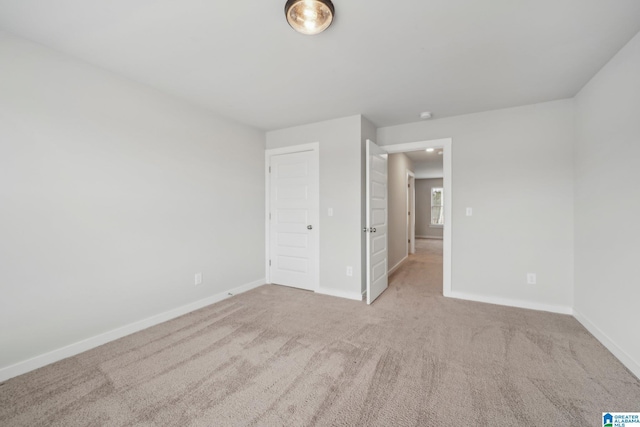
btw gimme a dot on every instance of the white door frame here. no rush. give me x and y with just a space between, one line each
445 145
411 219
312 146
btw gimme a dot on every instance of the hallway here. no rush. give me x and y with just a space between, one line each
420 276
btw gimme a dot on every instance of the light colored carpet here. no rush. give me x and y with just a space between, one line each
277 356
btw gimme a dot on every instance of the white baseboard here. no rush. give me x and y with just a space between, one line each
430 237
620 354
397 266
511 302
98 340
239 289
342 294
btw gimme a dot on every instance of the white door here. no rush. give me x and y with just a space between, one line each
293 221
376 227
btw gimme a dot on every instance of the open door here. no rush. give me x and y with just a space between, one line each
376 227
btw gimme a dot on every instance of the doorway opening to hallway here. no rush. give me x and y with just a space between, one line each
419 221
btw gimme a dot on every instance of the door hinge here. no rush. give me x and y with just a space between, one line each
409 240
269 169
269 263
269 216
408 213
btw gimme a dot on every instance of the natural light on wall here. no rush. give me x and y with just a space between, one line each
437 206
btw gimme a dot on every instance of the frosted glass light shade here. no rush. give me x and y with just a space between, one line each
309 16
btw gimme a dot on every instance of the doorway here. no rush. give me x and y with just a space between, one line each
443 145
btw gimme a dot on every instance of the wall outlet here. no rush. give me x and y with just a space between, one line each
469 211
330 212
531 278
198 279
349 271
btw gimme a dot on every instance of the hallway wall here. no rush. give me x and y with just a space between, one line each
398 165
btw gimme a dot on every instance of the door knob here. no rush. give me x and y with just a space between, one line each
374 230
309 227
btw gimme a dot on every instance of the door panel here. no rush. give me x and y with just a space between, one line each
294 219
376 227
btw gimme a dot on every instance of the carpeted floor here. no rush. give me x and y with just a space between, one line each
277 356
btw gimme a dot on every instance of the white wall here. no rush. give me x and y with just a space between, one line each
423 208
397 166
340 189
514 167
607 205
112 195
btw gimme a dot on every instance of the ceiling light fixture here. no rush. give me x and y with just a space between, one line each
309 16
430 150
440 153
425 115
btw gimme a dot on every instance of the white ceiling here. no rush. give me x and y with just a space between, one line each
388 60
426 165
